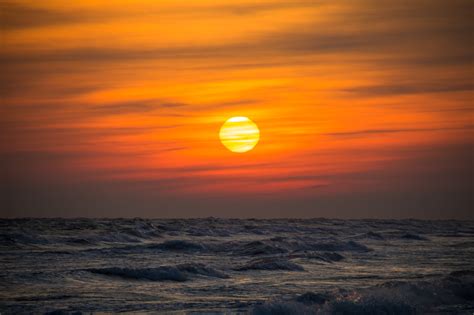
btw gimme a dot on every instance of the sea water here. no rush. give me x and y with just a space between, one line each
236 266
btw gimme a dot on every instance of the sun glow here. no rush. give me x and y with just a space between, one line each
239 134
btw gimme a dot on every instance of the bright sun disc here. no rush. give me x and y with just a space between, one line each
239 134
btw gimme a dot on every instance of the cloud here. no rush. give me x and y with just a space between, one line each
20 16
403 29
139 106
369 132
411 88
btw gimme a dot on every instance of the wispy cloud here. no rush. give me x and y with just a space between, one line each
370 132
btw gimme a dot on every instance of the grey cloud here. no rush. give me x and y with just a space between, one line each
93 132
411 88
369 132
18 16
134 106
412 27
255 8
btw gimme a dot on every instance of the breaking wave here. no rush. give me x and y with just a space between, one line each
454 293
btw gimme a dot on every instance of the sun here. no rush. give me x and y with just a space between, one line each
239 134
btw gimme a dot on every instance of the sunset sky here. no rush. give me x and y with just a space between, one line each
113 108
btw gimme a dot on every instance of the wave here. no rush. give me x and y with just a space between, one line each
22 238
132 233
116 237
283 308
468 244
255 248
333 246
462 273
142 229
177 245
280 245
442 295
328 257
44 232
371 235
208 230
41 298
201 269
154 274
177 273
28 240
270 263
171 245
313 298
325 251
371 306
414 237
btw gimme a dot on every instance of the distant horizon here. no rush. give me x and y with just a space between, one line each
239 218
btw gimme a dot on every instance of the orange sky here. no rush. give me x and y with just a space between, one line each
113 108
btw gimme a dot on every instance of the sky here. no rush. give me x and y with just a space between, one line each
113 108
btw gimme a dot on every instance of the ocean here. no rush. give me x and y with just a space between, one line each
236 266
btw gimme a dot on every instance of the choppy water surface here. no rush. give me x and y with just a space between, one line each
316 266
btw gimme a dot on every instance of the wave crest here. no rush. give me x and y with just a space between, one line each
270 263
178 273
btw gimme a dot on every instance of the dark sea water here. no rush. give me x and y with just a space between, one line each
220 266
